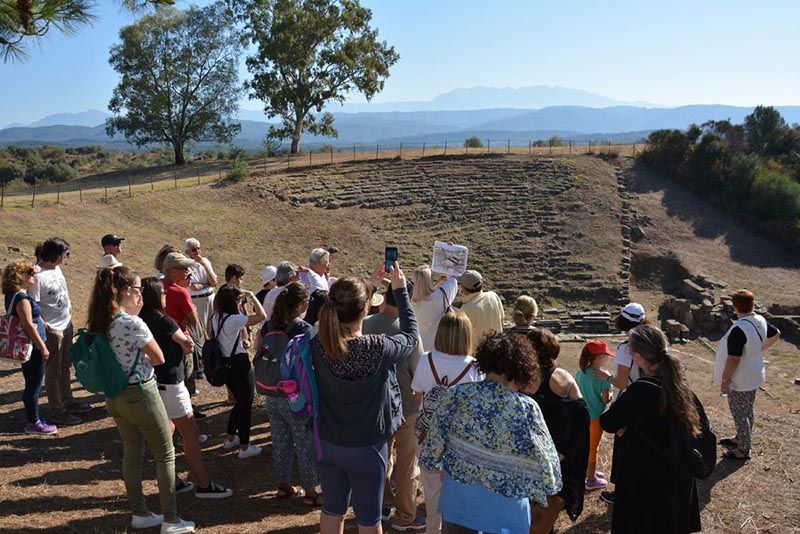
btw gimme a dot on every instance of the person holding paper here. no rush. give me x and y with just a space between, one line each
430 301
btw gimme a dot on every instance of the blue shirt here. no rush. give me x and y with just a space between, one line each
36 312
474 507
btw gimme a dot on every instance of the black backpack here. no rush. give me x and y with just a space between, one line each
216 364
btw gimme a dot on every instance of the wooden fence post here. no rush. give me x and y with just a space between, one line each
508 148
80 191
152 188
58 194
331 153
309 158
423 150
401 150
570 146
445 148
488 146
354 152
130 192
377 150
105 185
175 178
530 147
220 173
33 199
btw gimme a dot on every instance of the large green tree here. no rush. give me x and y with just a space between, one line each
179 79
309 53
24 20
766 131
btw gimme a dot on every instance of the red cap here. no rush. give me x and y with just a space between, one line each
597 347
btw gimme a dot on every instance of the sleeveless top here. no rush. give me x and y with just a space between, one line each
544 388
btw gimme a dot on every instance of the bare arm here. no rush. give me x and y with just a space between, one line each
770 341
619 381
186 343
731 364
564 385
191 319
153 352
606 396
258 314
25 315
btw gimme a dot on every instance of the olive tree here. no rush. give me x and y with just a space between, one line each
309 53
179 79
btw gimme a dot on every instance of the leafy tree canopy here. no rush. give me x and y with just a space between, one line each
179 79
23 20
310 53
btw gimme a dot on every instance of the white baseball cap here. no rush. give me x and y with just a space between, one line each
108 260
268 274
634 312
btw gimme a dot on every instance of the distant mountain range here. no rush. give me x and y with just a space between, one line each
580 123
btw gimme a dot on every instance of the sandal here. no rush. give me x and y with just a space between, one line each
733 454
313 500
729 443
285 492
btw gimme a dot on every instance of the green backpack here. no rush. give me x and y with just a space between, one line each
96 366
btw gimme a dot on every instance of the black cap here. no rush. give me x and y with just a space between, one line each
111 239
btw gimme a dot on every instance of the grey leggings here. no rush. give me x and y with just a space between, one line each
741 406
290 437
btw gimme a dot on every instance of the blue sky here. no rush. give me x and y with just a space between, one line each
670 53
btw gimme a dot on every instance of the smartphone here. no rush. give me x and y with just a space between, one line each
391 257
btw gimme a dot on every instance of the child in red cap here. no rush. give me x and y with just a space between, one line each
596 395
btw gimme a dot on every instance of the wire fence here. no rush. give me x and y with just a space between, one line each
112 186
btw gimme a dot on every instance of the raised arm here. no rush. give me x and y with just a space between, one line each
401 345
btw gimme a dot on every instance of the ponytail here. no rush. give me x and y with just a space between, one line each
292 295
105 299
676 400
347 299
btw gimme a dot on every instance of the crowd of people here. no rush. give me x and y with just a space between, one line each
425 393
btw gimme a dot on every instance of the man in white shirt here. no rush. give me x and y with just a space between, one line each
484 308
112 246
316 277
201 289
50 291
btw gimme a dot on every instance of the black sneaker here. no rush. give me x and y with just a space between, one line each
607 496
213 491
183 486
200 375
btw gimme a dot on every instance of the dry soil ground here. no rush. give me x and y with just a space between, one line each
543 225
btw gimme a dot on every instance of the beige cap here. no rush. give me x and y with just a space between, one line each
471 279
176 260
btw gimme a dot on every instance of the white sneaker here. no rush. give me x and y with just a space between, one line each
152 520
251 450
228 445
202 438
181 527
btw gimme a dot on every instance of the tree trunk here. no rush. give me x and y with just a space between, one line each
298 130
179 159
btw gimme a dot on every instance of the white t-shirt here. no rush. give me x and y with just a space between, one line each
429 312
269 300
625 358
127 335
231 328
314 281
50 291
446 366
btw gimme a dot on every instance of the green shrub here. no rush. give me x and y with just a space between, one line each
473 142
49 172
11 171
666 150
775 197
237 152
239 170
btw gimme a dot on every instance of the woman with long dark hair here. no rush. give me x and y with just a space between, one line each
359 400
174 345
138 411
290 435
226 324
650 496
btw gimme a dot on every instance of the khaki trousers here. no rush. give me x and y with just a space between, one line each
406 472
57 377
141 418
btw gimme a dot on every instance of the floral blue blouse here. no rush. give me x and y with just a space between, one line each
490 435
